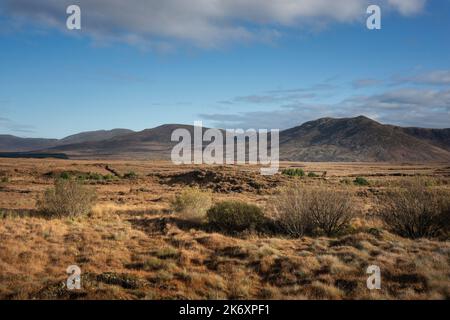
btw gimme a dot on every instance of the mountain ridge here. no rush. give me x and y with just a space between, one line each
325 139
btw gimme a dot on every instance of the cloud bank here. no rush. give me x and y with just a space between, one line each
421 100
203 23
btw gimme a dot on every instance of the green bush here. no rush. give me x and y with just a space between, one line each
294 172
95 176
108 177
235 216
3 182
192 204
360 181
130 175
68 198
65 175
312 175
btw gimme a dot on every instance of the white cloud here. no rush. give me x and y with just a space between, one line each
366 82
205 23
407 106
437 77
408 7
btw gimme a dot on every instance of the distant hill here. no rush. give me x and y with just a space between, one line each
99 135
362 139
9 143
152 143
326 139
437 137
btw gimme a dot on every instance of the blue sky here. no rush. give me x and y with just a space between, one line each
235 64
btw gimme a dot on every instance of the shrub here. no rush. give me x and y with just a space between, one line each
301 211
130 175
415 211
235 216
68 198
312 175
108 177
94 176
294 172
360 181
65 175
192 204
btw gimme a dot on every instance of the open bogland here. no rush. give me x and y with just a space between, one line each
134 244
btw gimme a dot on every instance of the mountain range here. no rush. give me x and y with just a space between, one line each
326 139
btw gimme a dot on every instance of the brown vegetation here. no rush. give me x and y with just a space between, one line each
416 210
192 204
134 246
68 198
303 210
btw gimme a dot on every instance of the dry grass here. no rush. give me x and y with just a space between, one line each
132 247
192 204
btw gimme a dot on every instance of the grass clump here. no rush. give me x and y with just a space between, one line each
360 181
94 176
192 204
82 176
168 253
65 175
235 216
3 182
109 177
130 175
68 198
293 172
312 175
301 211
416 211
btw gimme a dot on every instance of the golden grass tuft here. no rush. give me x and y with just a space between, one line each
192 204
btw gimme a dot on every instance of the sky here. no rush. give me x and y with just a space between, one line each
231 63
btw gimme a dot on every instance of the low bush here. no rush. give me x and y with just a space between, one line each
94 176
360 181
130 175
415 210
65 175
109 177
192 204
235 216
300 211
68 198
294 172
82 176
3 182
312 175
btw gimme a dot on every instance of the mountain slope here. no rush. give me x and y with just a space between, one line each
326 139
356 139
9 143
437 137
152 143
98 135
